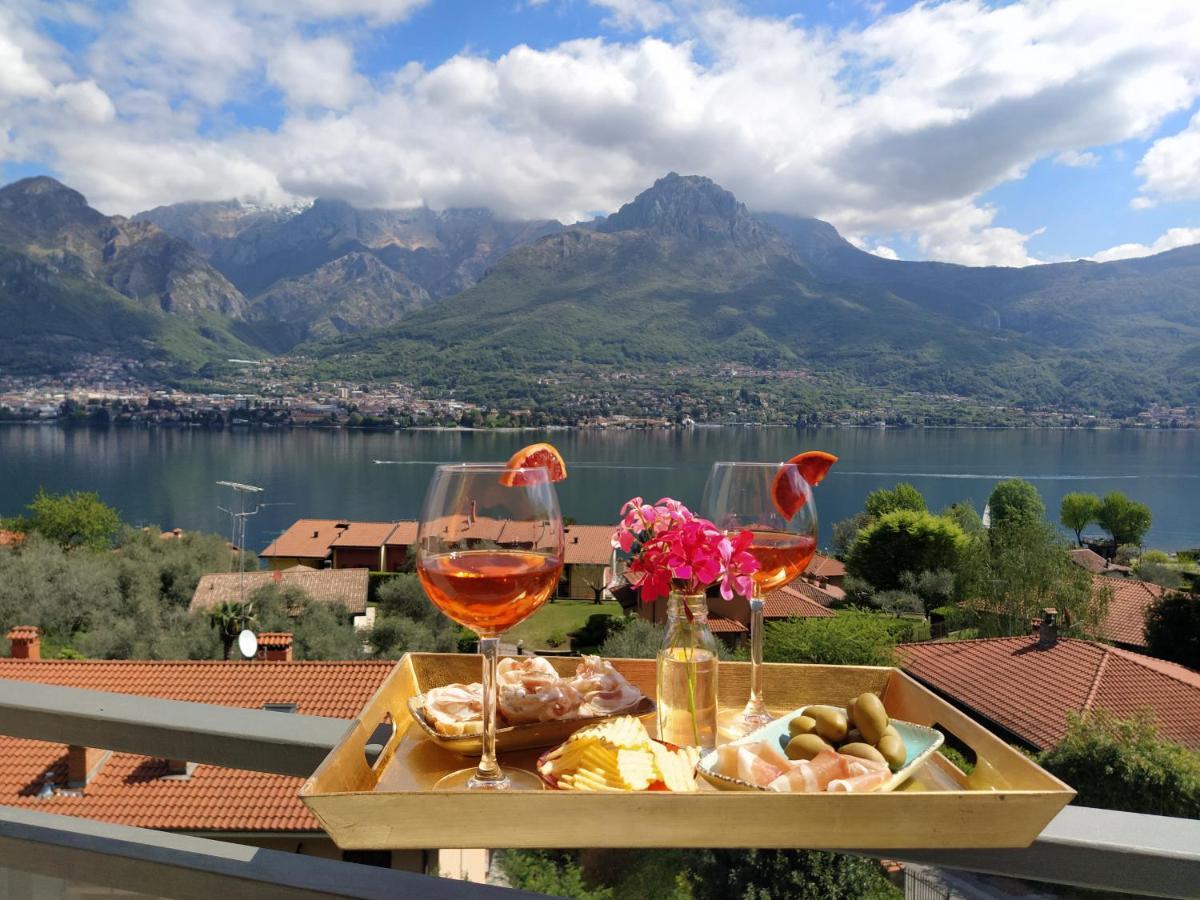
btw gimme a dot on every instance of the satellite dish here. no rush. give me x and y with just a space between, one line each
248 643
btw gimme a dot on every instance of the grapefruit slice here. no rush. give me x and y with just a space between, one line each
812 465
535 456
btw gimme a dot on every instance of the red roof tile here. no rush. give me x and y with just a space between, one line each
719 624
588 544
305 539
129 790
1089 559
10 538
1028 689
826 567
363 534
24 633
404 534
1125 620
796 600
346 587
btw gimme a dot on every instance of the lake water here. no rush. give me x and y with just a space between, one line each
167 476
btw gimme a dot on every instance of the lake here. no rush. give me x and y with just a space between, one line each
167 476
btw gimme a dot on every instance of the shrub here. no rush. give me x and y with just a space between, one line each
847 639
638 639
904 541
1123 764
903 496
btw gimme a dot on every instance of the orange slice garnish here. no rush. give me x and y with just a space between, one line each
535 456
812 465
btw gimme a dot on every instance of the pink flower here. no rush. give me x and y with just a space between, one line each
672 548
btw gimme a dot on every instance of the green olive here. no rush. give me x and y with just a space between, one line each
862 751
891 729
870 717
805 746
802 725
892 748
831 722
853 736
850 711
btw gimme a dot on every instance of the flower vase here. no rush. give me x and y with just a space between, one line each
687 675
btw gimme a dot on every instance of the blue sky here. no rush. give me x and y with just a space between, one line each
973 132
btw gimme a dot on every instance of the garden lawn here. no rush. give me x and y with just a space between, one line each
558 618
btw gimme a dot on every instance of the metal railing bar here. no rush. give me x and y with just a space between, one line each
177 866
258 740
1103 849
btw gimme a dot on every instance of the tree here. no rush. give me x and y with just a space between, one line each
903 496
638 639
904 541
936 587
1127 521
1078 511
230 619
965 516
74 520
845 531
1014 503
1173 629
1123 764
780 874
1021 570
847 639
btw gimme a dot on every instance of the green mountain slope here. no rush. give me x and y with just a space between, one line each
684 278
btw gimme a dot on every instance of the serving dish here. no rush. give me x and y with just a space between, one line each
920 742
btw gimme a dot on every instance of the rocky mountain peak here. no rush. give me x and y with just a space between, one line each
687 206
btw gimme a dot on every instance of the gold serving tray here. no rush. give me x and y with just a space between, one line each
521 737
1005 802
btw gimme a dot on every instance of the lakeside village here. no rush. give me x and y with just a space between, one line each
105 392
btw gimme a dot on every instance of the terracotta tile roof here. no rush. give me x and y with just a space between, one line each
1089 559
404 534
795 600
826 567
1028 689
719 624
347 587
10 538
1125 620
305 539
363 534
129 790
279 639
24 633
588 544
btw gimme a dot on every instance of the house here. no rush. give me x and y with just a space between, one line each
342 544
1089 559
347 588
827 569
1023 687
587 552
1125 619
175 795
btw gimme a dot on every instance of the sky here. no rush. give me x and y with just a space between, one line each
1006 133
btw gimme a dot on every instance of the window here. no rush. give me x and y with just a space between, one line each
281 707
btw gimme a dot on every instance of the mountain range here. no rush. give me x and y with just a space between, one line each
684 277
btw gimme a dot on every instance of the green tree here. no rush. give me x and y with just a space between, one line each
230 619
1127 521
1173 629
1078 511
845 531
965 516
847 639
904 541
74 520
937 587
903 496
553 872
1014 503
1123 764
786 875
638 639
1021 570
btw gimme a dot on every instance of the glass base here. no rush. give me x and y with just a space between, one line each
736 723
510 780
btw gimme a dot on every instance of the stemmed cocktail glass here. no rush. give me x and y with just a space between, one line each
775 502
489 554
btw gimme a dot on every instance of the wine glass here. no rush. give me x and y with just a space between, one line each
489 554
742 496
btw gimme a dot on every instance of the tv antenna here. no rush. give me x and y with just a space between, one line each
237 535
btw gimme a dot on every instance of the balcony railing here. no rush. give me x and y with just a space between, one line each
1082 847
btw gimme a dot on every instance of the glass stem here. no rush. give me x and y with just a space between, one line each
489 769
755 708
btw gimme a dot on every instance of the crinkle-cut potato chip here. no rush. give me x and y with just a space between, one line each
618 755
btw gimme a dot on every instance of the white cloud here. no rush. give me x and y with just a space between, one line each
1077 160
885 251
1170 170
86 100
318 72
1168 240
895 128
649 15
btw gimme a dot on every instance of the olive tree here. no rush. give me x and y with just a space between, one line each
1077 511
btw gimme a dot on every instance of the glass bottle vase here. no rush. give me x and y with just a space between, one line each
687 674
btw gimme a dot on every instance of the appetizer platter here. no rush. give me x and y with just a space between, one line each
609 769
538 706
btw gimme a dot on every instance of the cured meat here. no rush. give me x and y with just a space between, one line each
455 709
603 690
753 767
530 690
860 784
